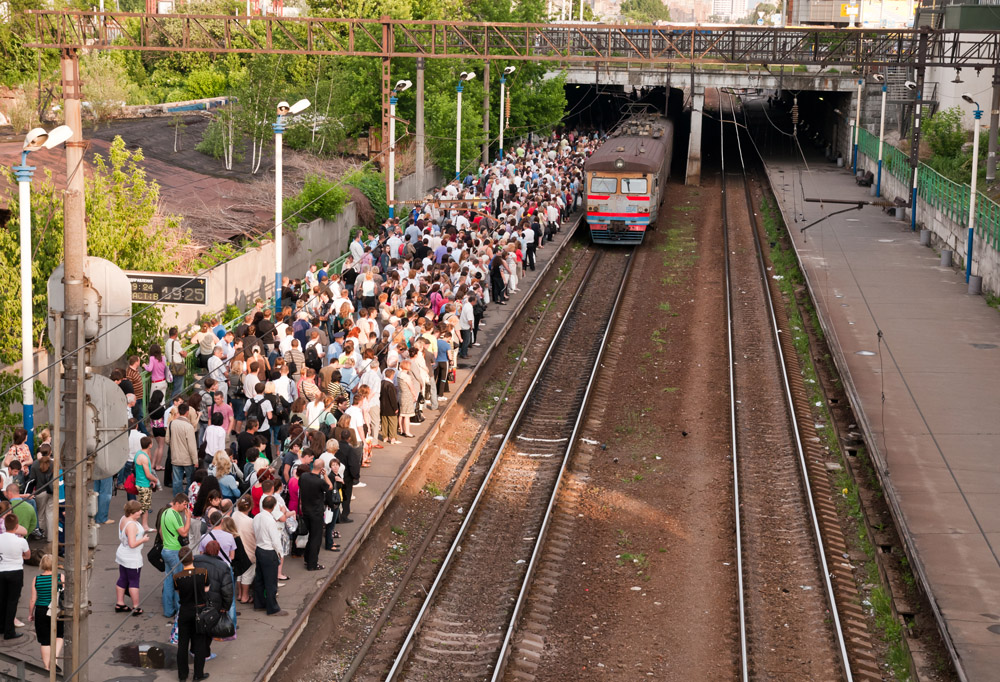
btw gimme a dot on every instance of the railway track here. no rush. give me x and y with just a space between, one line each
470 604
790 626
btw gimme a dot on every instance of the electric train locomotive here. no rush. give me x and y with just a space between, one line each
626 179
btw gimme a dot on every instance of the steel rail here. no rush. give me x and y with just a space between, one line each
744 663
540 540
403 655
478 444
790 402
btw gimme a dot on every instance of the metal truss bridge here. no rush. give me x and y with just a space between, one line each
568 43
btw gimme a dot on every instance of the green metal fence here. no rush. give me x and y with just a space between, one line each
942 194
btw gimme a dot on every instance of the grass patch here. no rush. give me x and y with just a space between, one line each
433 489
659 339
493 392
685 208
638 560
670 389
397 551
396 530
564 271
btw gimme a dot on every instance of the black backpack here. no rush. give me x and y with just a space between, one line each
312 358
255 411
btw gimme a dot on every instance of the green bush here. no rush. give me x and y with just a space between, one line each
213 142
372 185
204 83
319 198
944 134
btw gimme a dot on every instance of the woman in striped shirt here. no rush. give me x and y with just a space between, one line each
38 611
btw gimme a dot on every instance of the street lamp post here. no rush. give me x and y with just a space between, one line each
857 129
463 77
978 113
879 78
284 109
36 139
503 82
391 180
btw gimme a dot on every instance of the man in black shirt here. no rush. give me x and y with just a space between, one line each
245 441
313 487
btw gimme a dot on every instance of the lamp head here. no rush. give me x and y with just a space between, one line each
283 108
301 105
968 98
911 86
509 70
466 75
38 138
855 72
402 85
838 112
878 78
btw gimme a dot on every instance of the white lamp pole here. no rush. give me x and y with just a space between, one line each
503 82
881 136
391 180
464 76
36 139
978 113
279 129
857 131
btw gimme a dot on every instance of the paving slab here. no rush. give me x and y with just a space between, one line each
936 437
260 637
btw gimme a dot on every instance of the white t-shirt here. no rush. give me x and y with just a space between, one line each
12 549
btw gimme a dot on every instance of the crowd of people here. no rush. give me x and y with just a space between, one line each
263 454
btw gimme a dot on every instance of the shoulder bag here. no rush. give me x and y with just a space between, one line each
155 553
178 369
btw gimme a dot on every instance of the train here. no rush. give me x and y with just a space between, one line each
626 178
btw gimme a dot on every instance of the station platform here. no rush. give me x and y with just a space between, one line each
261 640
936 437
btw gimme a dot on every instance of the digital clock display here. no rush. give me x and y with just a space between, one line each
148 287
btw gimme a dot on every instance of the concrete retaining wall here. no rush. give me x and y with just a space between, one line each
945 232
250 275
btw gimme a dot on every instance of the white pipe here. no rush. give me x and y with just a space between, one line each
392 156
458 133
278 218
27 352
503 83
972 194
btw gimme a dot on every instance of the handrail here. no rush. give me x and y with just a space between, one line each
943 194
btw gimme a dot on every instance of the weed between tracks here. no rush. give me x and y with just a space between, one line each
801 312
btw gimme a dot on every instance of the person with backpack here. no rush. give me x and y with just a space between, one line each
314 352
261 409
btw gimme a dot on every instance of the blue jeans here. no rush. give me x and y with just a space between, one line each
171 602
178 385
103 490
180 475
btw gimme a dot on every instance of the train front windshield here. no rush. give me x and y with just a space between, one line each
634 185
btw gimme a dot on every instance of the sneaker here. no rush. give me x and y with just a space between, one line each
361 484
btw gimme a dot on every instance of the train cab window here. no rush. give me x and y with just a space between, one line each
634 185
603 185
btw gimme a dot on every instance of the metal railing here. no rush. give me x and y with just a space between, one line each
940 193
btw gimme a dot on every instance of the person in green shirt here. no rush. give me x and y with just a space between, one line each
174 522
22 509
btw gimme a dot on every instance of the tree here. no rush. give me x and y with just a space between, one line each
944 134
105 85
645 11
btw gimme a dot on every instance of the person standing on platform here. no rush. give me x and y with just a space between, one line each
13 551
268 553
313 488
174 523
191 586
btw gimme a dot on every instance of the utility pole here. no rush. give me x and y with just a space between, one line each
991 159
486 113
420 127
77 559
917 114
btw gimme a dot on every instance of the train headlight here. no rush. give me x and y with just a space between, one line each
619 163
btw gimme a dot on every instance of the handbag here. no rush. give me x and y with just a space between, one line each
178 369
224 628
155 555
207 618
241 561
129 485
301 541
